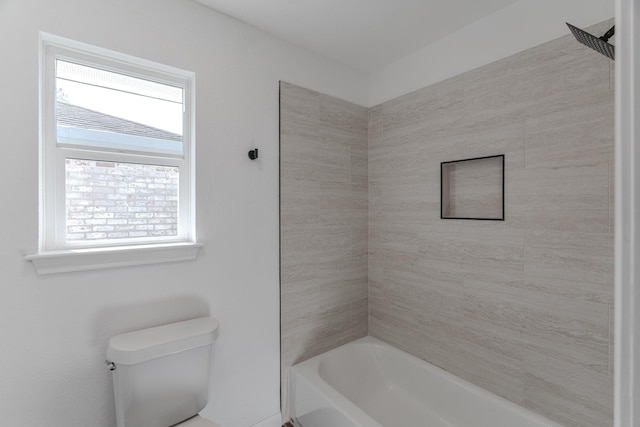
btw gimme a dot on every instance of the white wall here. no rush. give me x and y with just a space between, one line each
54 330
520 26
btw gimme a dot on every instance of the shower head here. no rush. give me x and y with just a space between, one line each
599 44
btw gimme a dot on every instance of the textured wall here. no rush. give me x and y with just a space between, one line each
523 307
323 155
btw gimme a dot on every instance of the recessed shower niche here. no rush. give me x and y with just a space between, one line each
472 188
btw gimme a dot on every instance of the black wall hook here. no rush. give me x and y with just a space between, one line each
253 154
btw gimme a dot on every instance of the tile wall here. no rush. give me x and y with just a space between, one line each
522 307
324 230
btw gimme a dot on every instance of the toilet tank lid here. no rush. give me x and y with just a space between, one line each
146 344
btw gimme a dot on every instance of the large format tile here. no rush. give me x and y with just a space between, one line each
343 116
522 306
567 393
436 292
317 332
559 67
490 254
397 320
374 134
492 316
490 93
487 362
299 112
566 329
612 194
574 265
489 353
468 139
324 219
322 158
360 166
580 133
573 198
420 106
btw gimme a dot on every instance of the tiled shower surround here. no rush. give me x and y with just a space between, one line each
521 307
323 205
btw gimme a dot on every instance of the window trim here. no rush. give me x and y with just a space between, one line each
55 262
52 210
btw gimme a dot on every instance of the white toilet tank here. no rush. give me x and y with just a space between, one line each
161 374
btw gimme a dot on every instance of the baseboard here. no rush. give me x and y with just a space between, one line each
273 421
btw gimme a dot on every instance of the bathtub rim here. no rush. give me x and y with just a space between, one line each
310 368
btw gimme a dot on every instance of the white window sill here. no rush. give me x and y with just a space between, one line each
55 262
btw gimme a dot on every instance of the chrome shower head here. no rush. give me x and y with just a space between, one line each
599 44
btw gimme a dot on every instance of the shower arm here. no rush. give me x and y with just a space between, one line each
606 36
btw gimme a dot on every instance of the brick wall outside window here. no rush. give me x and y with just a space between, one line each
111 200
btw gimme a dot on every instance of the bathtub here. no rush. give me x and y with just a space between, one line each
368 383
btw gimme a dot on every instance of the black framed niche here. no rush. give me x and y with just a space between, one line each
472 189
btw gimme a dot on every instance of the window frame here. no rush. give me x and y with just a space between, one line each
52 203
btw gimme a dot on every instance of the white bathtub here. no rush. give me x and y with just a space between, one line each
368 383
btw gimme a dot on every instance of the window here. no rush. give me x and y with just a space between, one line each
117 151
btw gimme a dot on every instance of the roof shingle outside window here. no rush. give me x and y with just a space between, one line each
83 118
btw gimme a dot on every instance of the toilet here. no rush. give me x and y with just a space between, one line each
161 374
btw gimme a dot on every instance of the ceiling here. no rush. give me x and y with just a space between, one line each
363 34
